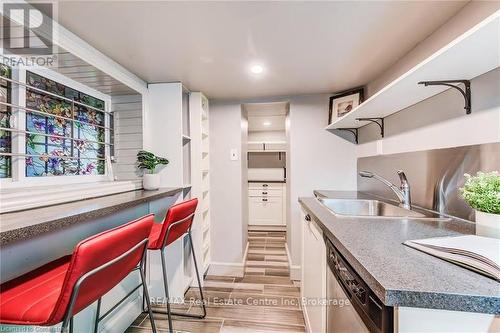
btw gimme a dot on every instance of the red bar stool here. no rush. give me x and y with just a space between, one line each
177 223
57 291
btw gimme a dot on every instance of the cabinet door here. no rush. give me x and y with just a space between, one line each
265 211
313 284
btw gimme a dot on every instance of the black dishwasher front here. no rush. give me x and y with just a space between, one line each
353 307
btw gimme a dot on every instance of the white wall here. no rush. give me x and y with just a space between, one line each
471 14
127 112
319 160
440 121
226 187
266 136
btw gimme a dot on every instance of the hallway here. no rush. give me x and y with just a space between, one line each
264 300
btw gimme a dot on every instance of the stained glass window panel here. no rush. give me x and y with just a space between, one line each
5 136
87 150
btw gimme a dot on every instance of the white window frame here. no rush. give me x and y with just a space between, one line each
18 177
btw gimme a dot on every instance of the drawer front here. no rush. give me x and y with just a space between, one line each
265 186
265 211
265 193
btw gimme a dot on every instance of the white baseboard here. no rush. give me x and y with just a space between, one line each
245 255
295 272
226 268
306 320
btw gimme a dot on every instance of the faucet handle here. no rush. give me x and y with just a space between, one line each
402 177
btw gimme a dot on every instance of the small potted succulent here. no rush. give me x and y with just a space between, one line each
482 192
148 162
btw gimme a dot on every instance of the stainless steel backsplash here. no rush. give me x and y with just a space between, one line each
434 175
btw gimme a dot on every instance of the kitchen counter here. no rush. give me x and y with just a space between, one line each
31 223
399 275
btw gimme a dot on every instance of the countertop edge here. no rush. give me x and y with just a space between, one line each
31 231
410 298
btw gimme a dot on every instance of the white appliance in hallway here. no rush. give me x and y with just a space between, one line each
267 147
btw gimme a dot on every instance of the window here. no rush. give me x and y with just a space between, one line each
75 130
65 131
5 136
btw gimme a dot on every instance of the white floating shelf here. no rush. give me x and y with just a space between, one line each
474 53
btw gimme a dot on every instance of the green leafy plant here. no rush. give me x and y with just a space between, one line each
482 191
149 161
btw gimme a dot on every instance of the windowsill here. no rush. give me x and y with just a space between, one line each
16 199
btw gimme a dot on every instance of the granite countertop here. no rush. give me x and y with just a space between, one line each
30 223
400 275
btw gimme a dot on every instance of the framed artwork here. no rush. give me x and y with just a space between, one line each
344 102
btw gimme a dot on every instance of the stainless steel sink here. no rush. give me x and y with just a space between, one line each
371 208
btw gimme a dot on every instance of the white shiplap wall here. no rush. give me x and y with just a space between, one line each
127 111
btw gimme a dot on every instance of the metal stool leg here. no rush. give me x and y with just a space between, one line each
98 311
148 301
144 268
197 277
199 287
167 296
67 322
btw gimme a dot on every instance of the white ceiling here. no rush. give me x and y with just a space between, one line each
305 47
266 116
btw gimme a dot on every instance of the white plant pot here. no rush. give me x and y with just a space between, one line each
487 224
151 181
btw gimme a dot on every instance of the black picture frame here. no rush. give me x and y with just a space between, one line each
357 90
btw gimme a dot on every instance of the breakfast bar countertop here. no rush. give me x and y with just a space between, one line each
399 275
26 224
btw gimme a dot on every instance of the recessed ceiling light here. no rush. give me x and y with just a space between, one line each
266 123
256 69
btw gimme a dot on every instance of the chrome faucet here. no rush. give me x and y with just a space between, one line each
402 192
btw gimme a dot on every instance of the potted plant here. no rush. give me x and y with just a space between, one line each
482 192
148 162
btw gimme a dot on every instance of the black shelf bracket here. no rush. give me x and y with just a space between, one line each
354 132
378 121
454 84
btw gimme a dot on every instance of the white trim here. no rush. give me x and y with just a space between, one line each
245 256
295 270
226 268
62 79
307 323
18 174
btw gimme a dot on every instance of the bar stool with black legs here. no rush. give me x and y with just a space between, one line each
55 292
177 223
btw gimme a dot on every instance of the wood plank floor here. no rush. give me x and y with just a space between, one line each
264 300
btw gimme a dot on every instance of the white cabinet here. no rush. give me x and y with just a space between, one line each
313 283
265 211
266 204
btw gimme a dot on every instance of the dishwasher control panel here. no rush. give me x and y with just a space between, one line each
374 313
